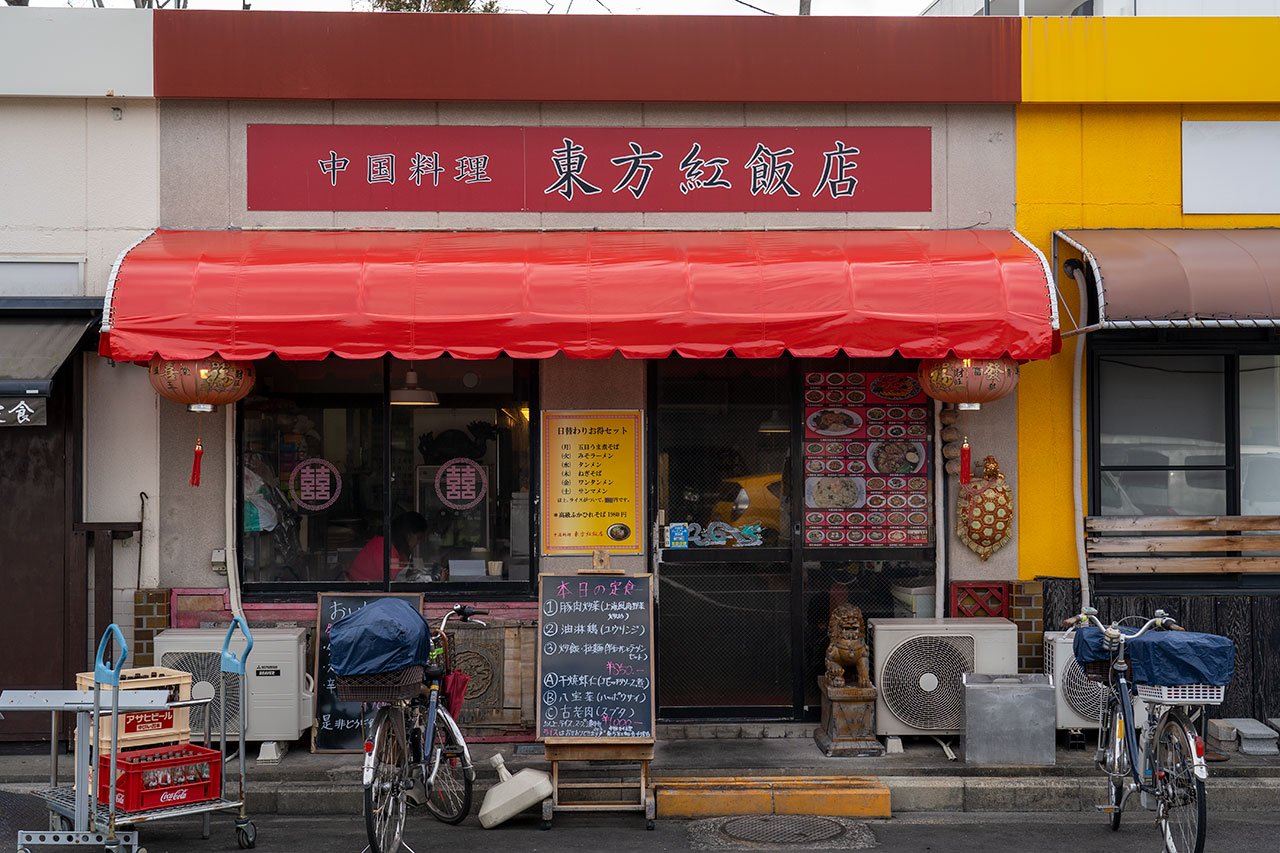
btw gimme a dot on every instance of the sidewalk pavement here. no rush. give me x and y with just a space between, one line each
920 779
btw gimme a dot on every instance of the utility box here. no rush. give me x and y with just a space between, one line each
1009 719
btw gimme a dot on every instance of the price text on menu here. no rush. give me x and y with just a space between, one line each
592 498
595 660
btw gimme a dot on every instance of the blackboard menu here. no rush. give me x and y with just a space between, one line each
337 724
595 664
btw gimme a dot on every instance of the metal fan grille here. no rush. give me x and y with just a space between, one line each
207 666
1085 697
921 680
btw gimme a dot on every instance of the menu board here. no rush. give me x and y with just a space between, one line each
591 485
595 664
866 460
337 724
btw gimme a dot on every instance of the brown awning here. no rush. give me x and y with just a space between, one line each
1202 278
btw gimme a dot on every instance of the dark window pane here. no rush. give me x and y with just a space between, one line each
1260 435
1158 410
740 614
311 470
724 445
1164 493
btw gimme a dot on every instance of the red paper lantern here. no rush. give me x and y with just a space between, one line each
201 384
968 382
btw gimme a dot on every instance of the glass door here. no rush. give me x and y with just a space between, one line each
784 488
724 618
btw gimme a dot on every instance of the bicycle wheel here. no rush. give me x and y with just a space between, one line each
384 796
449 771
1116 760
1179 794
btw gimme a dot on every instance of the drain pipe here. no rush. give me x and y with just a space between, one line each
1076 270
233 556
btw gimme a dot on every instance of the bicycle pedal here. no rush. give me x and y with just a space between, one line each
1107 809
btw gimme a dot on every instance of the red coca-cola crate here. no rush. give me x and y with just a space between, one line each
163 777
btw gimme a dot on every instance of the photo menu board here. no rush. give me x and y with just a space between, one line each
866 460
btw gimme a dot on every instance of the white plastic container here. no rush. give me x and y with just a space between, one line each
513 794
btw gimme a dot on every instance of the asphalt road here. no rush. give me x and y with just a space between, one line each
621 833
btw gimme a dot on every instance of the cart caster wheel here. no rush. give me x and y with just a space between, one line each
546 824
648 824
247 836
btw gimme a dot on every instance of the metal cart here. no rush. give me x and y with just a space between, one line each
94 824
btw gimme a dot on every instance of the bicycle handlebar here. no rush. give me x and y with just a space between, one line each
1160 622
464 612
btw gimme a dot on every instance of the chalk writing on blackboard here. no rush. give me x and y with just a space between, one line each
338 724
596 657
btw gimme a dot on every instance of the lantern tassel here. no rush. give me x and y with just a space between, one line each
195 464
965 469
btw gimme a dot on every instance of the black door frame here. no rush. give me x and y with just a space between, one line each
797 554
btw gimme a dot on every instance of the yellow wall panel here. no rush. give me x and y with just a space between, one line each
1128 154
1150 60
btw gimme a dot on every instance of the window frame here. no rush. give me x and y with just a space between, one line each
486 590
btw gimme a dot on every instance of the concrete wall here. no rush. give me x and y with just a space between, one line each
203 163
78 183
79 180
76 52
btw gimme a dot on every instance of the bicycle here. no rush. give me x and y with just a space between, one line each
413 740
1167 769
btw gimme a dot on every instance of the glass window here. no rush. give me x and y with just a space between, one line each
1162 410
724 446
1162 441
1260 435
320 478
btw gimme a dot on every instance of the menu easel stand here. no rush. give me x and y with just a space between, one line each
588 749
615 749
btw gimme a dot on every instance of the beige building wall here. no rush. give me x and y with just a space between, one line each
79 185
203 172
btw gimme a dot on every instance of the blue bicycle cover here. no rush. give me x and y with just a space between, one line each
384 636
1166 657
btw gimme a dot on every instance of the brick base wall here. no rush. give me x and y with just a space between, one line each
150 617
1027 612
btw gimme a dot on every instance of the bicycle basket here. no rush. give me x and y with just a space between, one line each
1097 670
380 686
1182 694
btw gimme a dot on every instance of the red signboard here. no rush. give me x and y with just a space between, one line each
589 169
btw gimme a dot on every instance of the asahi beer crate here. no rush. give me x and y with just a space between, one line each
144 728
163 777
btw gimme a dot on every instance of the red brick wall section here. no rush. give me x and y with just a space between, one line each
150 617
1026 609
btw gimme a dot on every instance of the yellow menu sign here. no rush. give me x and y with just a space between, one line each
591 483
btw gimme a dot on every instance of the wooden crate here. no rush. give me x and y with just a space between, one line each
145 728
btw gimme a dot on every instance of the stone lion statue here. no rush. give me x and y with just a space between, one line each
847 646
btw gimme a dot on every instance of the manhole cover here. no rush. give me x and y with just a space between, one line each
782 829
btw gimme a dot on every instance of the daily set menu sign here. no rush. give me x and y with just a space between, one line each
591 497
595 663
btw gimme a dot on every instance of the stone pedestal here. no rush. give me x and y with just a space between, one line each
848 721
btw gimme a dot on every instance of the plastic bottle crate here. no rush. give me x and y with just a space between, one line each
163 777
144 728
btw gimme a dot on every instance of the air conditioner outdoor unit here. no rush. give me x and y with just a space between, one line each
278 692
919 664
1080 701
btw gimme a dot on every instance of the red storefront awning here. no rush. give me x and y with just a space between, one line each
588 294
